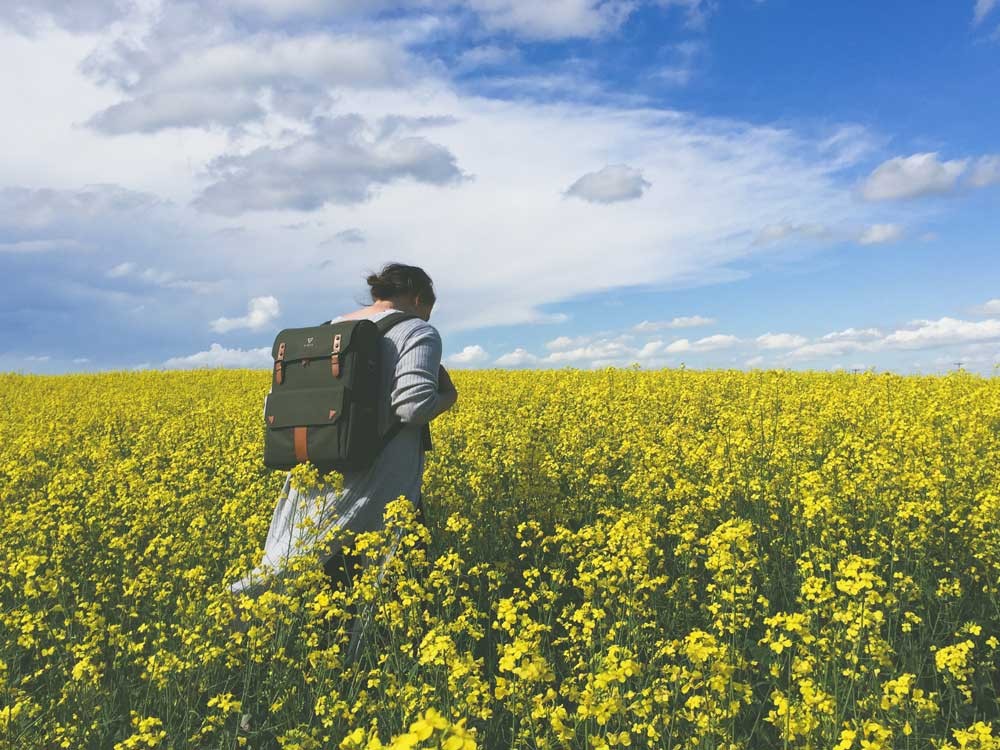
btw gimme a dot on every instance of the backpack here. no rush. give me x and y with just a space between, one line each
323 403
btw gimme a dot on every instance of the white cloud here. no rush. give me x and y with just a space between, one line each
717 182
352 236
681 69
684 321
755 361
165 279
470 355
343 161
991 307
261 313
40 246
853 334
983 7
707 344
553 19
487 55
219 356
773 233
80 360
34 209
920 334
912 176
586 351
878 234
30 16
228 82
601 349
614 183
562 343
832 348
517 358
943 332
780 340
38 357
985 171
650 349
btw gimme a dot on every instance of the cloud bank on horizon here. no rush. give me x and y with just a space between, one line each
589 182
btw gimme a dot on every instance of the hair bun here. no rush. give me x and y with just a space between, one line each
397 279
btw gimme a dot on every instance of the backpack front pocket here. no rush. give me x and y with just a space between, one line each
308 424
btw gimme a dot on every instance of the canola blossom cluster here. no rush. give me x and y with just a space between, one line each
611 558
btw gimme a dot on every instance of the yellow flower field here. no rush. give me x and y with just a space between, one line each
613 558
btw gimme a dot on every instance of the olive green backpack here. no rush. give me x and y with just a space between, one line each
323 403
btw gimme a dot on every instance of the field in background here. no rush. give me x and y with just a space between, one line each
615 558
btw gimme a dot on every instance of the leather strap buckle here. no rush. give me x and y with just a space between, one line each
278 362
335 357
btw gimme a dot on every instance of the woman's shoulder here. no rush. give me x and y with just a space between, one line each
415 328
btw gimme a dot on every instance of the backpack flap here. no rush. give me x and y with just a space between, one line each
312 342
304 407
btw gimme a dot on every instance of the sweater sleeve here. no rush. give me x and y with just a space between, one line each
415 397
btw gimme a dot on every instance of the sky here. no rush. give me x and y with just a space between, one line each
590 183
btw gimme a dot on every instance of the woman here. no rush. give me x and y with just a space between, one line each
416 388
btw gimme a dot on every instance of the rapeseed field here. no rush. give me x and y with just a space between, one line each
612 558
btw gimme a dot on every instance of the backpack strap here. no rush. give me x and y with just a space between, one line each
384 324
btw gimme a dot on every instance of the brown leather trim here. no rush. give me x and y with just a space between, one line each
277 362
301 454
335 357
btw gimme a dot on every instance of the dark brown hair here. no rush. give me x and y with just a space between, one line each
397 279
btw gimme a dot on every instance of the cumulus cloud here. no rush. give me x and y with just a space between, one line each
920 334
261 312
614 183
684 321
598 350
991 307
780 340
176 109
211 82
470 355
942 332
985 171
912 176
707 344
342 162
561 343
520 357
878 234
219 356
586 351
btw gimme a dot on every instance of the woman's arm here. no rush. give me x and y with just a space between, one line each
415 395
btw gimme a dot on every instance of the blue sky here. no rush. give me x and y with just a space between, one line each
754 183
